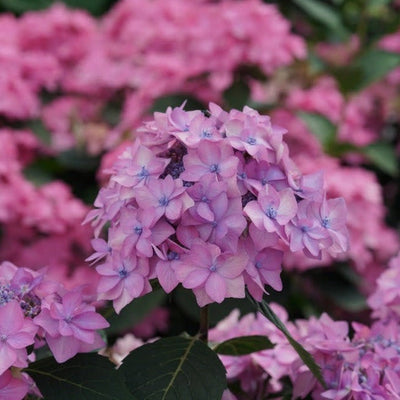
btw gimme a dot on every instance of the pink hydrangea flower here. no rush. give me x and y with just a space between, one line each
12 388
70 326
212 187
211 274
123 279
16 333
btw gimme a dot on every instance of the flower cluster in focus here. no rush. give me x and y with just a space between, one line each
210 200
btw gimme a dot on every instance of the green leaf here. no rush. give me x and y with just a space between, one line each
244 345
40 131
20 6
78 160
374 65
97 7
306 357
135 312
383 156
237 95
320 127
84 377
174 368
324 14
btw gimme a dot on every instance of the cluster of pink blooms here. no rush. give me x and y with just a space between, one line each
363 367
135 54
210 200
41 225
33 311
372 242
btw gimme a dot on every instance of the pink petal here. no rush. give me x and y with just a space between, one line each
7 357
63 347
21 339
196 278
233 266
90 320
11 318
215 287
254 212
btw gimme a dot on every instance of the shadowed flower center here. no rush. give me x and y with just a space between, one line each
173 255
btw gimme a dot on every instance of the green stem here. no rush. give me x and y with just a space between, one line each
203 331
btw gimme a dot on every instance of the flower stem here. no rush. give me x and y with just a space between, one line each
203 331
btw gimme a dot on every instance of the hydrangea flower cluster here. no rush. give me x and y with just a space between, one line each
143 49
35 310
364 366
209 200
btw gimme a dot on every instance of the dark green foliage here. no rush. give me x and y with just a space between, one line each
85 377
244 345
174 368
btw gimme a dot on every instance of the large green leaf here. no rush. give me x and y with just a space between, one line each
324 14
305 356
237 95
375 64
242 345
84 377
369 67
174 368
20 6
383 156
320 127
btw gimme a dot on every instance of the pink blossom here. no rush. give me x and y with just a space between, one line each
137 166
16 333
263 267
209 158
123 280
164 197
212 275
12 388
272 209
307 234
169 256
70 326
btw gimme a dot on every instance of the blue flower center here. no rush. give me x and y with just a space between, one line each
144 173
123 273
258 265
251 140
271 212
164 201
173 255
213 268
206 134
326 222
138 230
214 168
